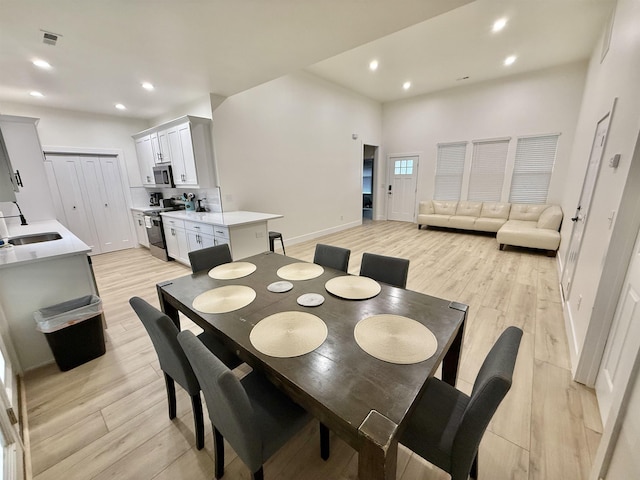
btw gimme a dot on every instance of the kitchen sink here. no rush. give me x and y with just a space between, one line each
35 238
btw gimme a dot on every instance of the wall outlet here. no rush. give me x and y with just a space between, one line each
579 302
259 234
341 217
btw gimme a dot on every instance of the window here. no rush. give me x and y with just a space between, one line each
487 170
449 170
532 170
403 167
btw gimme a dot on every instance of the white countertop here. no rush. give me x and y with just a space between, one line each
226 219
69 244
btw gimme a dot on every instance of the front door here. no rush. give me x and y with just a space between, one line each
624 339
582 211
401 190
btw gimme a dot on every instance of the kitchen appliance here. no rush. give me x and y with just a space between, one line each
155 199
163 175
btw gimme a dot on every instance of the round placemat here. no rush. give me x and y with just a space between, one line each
230 271
280 287
395 339
300 271
224 299
310 300
353 287
288 334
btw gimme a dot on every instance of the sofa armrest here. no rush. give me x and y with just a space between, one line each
551 218
425 208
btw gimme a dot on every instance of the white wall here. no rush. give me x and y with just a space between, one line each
286 147
545 101
617 76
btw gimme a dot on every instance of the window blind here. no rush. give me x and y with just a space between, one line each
487 170
535 157
449 171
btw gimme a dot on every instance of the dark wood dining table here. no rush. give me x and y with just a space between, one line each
364 400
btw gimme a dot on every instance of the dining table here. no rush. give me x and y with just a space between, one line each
364 400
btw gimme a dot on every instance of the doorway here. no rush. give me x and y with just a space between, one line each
401 190
369 154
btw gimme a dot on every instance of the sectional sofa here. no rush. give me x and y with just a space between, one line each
522 225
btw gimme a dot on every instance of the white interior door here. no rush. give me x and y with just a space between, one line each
12 454
624 339
401 190
582 211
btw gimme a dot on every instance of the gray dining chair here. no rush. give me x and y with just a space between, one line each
254 416
391 270
447 425
207 258
174 363
332 257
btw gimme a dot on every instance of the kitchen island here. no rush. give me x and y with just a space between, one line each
246 233
35 276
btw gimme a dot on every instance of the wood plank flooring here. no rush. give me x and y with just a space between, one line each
108 418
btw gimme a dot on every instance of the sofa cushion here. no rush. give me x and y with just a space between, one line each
443 207
525 211
495 210
483 224
551 218
522 233
462 221
434 220
425 207
468 209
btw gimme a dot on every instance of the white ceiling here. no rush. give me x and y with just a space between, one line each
189 49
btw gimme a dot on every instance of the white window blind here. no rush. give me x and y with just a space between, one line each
535 157
449 171
487 170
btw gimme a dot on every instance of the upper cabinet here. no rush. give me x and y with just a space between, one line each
186 143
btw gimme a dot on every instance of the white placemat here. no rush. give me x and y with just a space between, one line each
288 334
230 271
280 287
395 339
353 287
310 299
224 299
300 271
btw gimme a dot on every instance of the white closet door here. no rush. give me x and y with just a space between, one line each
117 212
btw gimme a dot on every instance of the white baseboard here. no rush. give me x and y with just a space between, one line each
571 338
322 233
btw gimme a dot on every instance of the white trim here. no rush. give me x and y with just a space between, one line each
321 233
446 144
497 139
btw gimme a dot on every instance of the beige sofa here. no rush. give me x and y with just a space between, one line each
522 225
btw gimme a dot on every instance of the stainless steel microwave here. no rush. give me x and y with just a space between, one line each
163 176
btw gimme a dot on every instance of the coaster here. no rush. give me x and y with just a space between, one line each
310 300
395 339
224 299
300 271
233 270
288 334
280 287
353 287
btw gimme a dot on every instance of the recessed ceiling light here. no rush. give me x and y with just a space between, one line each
120 106
147 86
406 85
499 24
36 94
41 64
509 60
373 65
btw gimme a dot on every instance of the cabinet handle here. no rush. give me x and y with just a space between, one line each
19 179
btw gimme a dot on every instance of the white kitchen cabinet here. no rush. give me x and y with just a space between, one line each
199 235
146 159
187 143
176 239
141 229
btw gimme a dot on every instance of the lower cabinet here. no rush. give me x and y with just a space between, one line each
176 239
199 235
141 229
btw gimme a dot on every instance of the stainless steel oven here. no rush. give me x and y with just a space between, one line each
155 234
163 176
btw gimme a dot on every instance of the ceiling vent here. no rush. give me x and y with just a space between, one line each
50 38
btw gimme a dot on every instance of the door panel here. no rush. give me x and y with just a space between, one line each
401 191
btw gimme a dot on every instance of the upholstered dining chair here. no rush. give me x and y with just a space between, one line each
391 270
207 258
332 257
254 416
447 425
174 363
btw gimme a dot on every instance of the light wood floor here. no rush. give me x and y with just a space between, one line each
108 418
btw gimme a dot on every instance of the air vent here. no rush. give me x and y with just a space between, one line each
50 38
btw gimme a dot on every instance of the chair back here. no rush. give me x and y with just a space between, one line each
491 386
229 407
207 258
163 333
332 257
391 270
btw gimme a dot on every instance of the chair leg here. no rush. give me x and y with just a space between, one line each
259 475
271 241
325 442
171 395
474 468
218 449
196 404
282 242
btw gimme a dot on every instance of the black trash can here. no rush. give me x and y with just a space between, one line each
73 330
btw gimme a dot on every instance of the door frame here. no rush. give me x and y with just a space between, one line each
391 156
